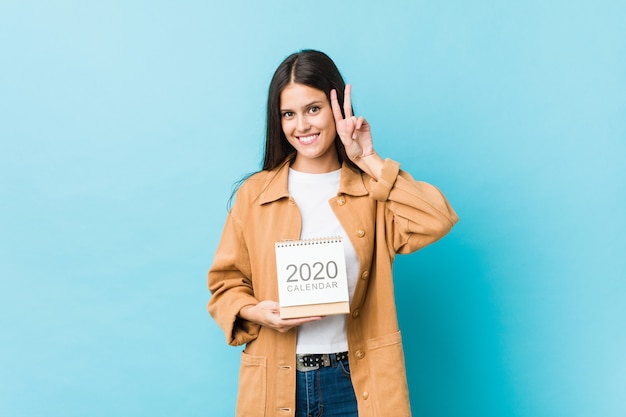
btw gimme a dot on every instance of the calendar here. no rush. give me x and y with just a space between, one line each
312 278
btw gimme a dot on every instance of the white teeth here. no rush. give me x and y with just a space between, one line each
307 139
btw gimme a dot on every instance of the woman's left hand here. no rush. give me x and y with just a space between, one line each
354 131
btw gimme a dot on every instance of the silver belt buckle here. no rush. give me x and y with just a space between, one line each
326 360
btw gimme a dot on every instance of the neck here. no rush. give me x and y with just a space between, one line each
315 166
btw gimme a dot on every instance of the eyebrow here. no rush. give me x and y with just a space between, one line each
313 103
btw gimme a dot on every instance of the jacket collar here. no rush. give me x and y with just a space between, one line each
276 186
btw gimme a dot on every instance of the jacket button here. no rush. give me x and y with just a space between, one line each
356 313
359 354
360 233
365 275
366 395
341 201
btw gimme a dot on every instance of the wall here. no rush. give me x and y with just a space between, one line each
123 126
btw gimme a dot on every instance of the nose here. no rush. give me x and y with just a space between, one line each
303 124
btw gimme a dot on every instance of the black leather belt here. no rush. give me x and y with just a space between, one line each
321 359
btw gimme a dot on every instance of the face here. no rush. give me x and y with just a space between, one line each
309 126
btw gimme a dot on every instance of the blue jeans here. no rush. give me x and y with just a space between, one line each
327 391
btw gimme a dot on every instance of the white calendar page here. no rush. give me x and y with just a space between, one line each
312 277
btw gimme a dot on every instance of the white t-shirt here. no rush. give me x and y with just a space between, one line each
311 193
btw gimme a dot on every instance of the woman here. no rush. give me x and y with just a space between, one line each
321 177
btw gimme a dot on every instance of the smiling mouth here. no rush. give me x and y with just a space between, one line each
305 140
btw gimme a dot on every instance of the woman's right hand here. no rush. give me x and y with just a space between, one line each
267 313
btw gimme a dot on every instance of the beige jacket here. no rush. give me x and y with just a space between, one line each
395 214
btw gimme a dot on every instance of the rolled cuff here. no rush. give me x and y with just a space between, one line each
237 330
380 189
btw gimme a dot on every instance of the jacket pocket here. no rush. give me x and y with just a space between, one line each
252 392
388 375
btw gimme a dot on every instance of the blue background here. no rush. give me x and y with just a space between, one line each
124 125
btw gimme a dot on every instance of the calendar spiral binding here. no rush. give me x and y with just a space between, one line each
307 242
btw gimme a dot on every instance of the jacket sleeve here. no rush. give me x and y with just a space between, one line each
230 284
417 213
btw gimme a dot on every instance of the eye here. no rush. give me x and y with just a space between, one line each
287 114
314 109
